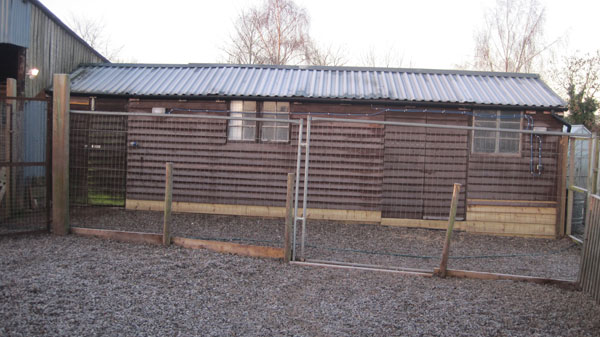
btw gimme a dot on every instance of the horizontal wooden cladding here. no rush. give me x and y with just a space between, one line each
512 219
420 163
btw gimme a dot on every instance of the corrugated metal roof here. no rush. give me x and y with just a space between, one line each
14 22
366 84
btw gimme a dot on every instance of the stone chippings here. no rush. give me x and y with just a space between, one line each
78 286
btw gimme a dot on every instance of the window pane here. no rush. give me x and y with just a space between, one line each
283 106
248 133
267 133
485 145
283 134
486 134
250 106
508 146
236 106
270 106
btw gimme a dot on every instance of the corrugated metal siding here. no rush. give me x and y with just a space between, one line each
14 22
53 50
316 82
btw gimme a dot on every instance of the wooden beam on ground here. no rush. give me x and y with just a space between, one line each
229 247
495 276
338 266
122 236
60 155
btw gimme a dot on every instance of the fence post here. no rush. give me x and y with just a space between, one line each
60 154
562 192
11 91
168 201
289 218
570 193
446 250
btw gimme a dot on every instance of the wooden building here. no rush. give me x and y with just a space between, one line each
31 37
513 183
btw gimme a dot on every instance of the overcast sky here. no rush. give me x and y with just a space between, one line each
425 34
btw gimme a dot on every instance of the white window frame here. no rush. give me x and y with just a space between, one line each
281 110
499 123
240 130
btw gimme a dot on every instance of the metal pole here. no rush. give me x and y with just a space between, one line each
297 187
305 195
289 219
570 192
168 202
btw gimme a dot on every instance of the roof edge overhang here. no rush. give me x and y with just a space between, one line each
436 104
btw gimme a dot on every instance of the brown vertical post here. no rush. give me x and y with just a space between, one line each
289 218
60 154
570 193
446 250
562 191
168 202
11 91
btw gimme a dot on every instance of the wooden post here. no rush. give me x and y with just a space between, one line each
570 193
9 195
60 154
562 191
289 218
446 251
168 202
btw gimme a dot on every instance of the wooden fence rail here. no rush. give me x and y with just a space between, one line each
589 275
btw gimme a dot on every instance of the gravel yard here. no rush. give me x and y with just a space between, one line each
360 243
78 286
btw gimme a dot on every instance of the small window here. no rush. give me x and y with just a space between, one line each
496 141
274 131
242 129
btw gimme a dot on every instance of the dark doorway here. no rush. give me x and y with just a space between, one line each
12 65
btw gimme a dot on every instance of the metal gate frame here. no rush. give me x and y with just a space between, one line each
300 212
11 105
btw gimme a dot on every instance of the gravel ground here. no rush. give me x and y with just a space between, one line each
78 286
360 243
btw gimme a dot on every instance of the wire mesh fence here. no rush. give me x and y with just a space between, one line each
401 174
225 187
24 155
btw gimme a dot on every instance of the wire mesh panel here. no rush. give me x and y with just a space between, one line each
24 180
225 187
401 174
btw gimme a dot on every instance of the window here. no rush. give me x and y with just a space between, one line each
496 141
242 129
273 131
267 131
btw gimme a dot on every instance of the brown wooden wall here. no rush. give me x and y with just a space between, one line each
404 172
508 177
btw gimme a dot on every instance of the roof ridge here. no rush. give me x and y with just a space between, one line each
316 68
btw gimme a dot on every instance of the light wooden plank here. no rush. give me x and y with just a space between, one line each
230 248
520 218
512 209
497 276
119 235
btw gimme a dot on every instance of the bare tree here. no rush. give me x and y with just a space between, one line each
93 31
512 38
390 58
276 33
319 56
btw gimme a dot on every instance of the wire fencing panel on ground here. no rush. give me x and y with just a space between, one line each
221 184
24 159
401 174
